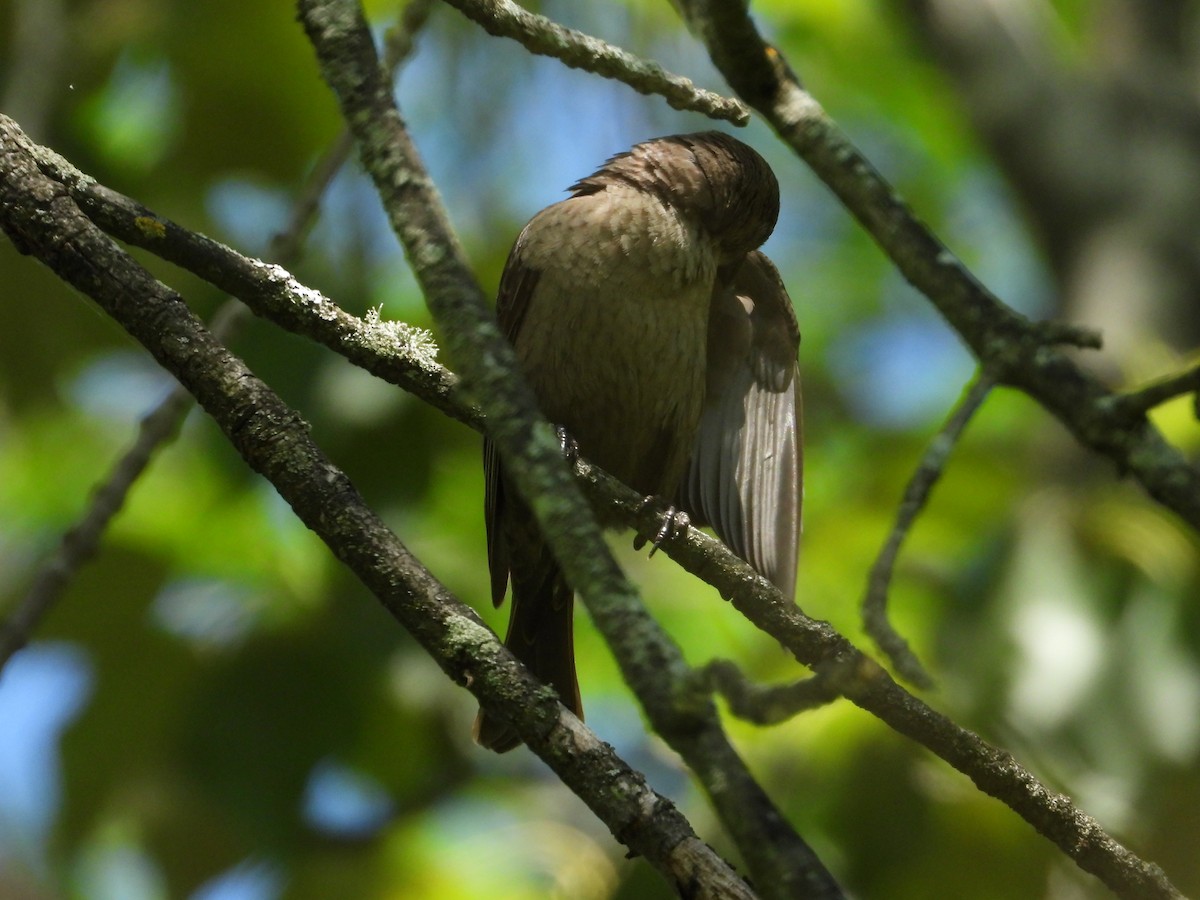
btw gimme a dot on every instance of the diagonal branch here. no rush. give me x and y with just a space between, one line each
79 543
540 35
1019 352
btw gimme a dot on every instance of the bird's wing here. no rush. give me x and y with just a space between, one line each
516 286
745 474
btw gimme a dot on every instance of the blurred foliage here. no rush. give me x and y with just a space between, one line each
248 723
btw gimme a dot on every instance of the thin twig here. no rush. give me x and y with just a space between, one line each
78 544
773 703
540 35
920 486
1141 400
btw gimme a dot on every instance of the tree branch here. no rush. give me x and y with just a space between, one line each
1139 401
929 470
1018 352
769 704
540 35
79 543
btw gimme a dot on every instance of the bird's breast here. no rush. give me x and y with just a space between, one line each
614 339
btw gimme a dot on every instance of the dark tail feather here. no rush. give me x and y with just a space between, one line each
540 634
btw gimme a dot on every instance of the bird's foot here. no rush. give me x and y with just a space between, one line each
570 449
675 522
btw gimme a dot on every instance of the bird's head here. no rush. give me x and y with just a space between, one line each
725 184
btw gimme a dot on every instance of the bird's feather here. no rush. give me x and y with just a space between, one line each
745 474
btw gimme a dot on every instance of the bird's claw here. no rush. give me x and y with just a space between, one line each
570 449
675 522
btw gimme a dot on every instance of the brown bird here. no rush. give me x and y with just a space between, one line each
664 344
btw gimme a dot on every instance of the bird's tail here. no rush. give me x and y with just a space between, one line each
540 635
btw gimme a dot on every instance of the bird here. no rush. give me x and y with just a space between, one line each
663 344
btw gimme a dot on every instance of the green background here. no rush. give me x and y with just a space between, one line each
216 709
